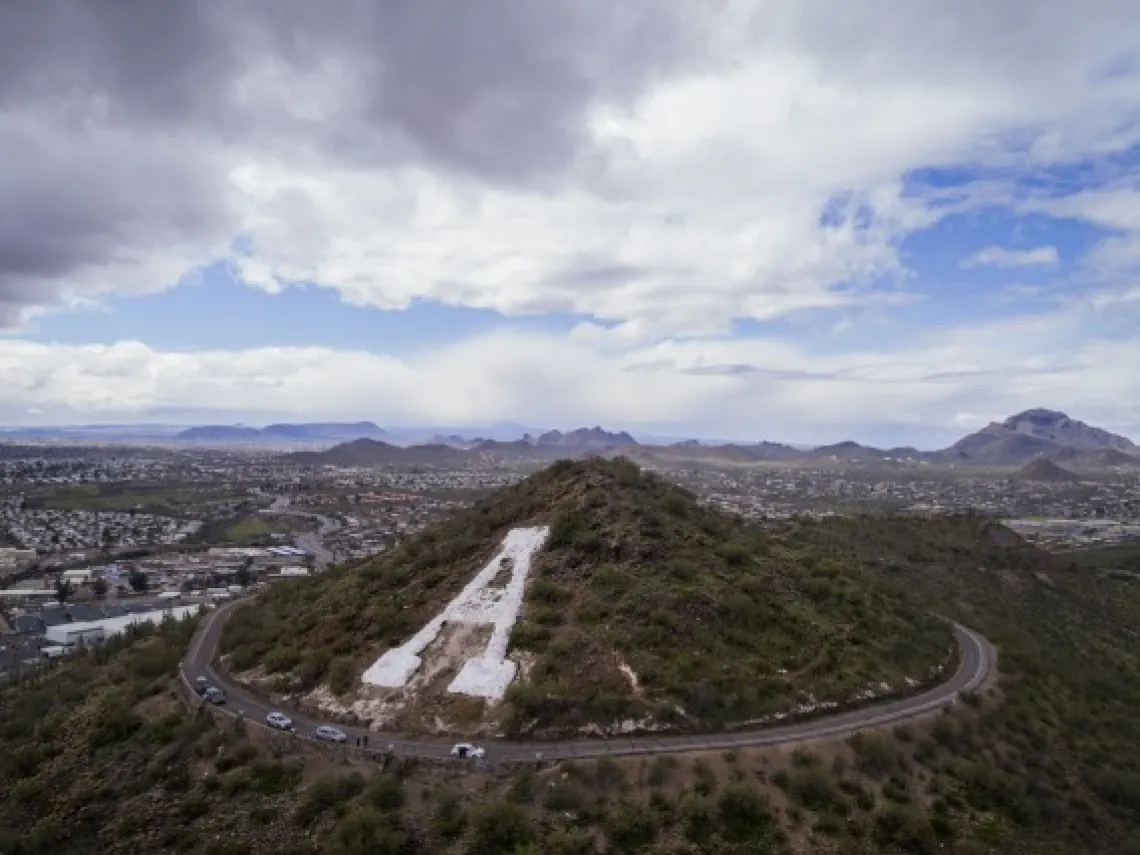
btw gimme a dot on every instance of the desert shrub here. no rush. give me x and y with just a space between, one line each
273 777
365 831
743 811
814 789
905 828
698 818
548 592
386 793
449 819
526 635
875 755
326 793
608 774
896 790
499 827
568 841
521 789
563 798
236 755
660 769
342 675
804 759
630 827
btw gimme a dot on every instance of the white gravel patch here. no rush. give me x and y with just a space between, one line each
487 675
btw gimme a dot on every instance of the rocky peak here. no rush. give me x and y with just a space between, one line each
1058 427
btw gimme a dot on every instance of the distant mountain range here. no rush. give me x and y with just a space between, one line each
1036 434
305 432
552 444
1062 444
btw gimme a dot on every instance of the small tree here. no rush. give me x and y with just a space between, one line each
243 576
138 581
99 588
63 590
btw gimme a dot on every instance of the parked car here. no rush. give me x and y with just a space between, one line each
279 721
330 733
466 751
214 695
201 684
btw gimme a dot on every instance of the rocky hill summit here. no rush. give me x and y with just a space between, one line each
1037 433
643 611
1044 470
1063 430
584 439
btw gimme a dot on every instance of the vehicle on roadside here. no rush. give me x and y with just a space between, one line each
467 751
214 695
280 721
201 684
330 734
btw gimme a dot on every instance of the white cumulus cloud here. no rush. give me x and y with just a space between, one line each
996 256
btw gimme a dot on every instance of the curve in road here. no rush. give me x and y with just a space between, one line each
975 665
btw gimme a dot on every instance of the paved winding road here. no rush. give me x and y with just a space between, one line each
975 664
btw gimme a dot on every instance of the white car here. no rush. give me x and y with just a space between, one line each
330 733
279 721
467 751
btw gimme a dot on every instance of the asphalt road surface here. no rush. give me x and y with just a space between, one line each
975 664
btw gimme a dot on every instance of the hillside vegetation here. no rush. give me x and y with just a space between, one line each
99 756
644 610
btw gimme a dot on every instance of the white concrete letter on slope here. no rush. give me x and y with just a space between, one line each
489 674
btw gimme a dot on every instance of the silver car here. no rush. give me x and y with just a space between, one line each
279 721
330 733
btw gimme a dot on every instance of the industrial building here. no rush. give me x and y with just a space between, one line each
93 631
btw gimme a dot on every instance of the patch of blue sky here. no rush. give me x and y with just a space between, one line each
213 311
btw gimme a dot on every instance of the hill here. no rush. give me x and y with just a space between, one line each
101 757
1036 433
1043 469
1110 458
644 610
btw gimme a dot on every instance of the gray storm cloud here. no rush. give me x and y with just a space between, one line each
120 119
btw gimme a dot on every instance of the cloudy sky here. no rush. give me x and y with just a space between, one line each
802 220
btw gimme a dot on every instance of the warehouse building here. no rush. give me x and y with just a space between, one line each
94 631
